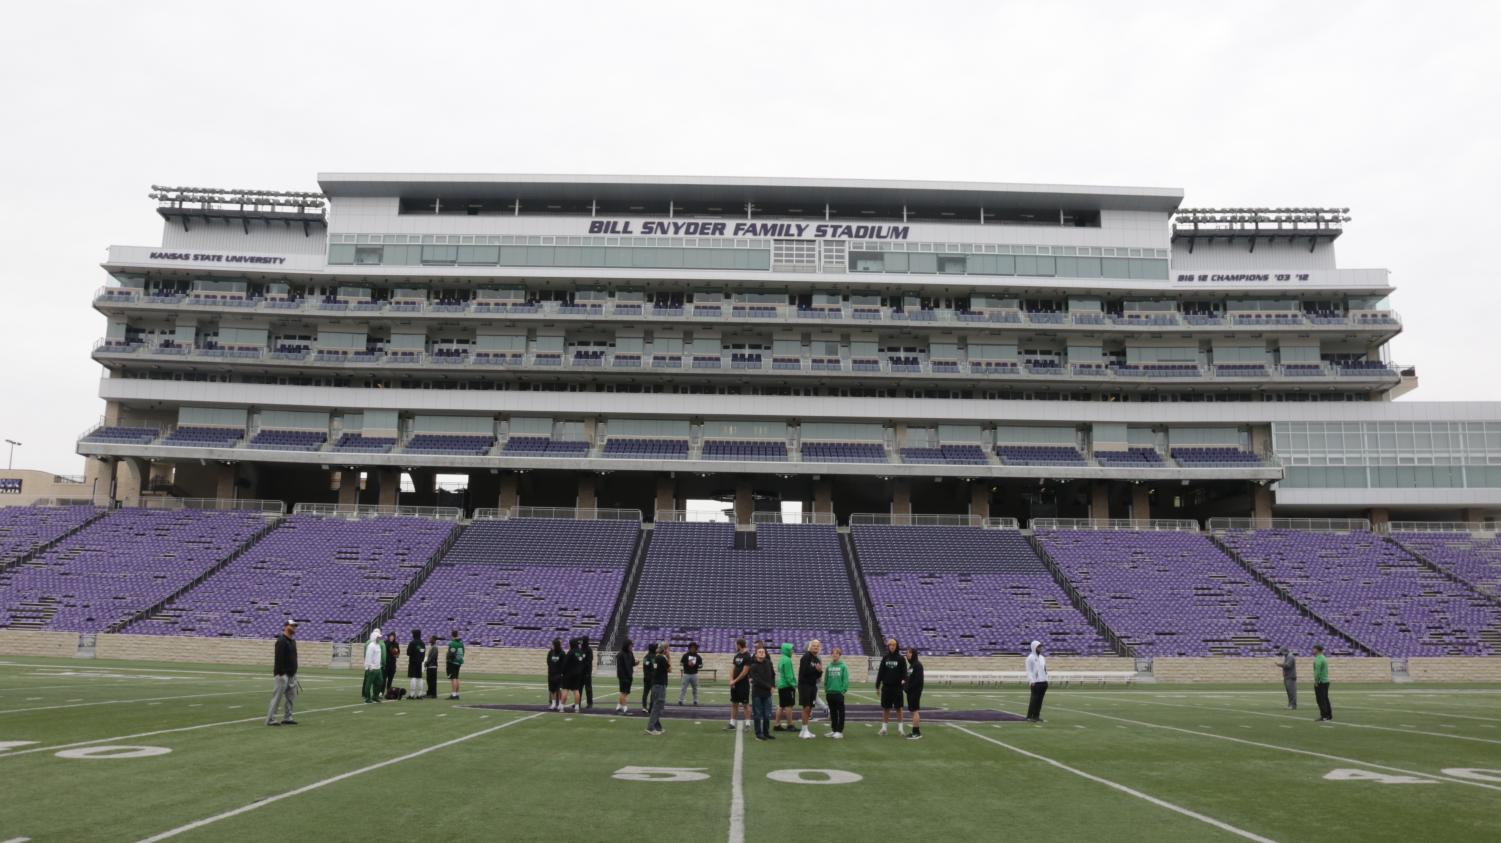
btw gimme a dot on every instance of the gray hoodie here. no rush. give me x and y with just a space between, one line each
1289 665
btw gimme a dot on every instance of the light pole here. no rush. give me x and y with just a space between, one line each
11 460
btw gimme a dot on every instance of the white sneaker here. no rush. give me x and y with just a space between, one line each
838 736
807 735
883 729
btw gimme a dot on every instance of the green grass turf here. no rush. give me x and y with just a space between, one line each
1220 752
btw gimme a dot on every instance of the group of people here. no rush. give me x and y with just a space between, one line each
381 654
1289 664
570 672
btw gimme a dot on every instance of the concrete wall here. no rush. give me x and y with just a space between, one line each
1266 671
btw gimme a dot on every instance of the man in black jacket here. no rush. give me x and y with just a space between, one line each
890 678
284 668
588 671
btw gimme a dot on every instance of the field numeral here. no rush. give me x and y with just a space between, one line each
1346 775
1478 774
661 774
4 745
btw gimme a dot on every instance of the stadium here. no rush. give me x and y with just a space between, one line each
1159 439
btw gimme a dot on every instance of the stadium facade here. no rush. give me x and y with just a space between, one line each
1002 350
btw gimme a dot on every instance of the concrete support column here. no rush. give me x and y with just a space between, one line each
1261 502
510 492
667 493
588 497
130 473
823 496
901 497
1379 517
1474 516
224 482
349 486
1099 501
979 499
389 481
744 502
98 476
1141 506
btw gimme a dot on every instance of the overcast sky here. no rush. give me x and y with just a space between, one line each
1391 109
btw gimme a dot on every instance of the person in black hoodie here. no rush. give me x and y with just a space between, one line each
573 674
692 661
393 649
809 675
284 667
556 661
646 677
625 671
889 680
415 651
588 677
432 667
914 694
763 680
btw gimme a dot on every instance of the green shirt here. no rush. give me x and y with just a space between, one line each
456 651
1320 670
836 677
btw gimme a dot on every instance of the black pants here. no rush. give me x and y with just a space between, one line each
1034 705
1321 693
589 690
836 711
646 696
390 677
432 681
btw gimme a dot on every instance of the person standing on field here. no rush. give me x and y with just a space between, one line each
556 661
739 685
692 661
625 671
809 673
661 668
388 671
836 683
573 675
914 693
648 664
588 678
415 651
432 668
454 662
1321 683
786 690
1289 664
375 659
890 678
763 680
284 669
1037 680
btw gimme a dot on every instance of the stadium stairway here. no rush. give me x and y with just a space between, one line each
1121 648
615 629
391 608
1289 599
868 626
7 564
150 611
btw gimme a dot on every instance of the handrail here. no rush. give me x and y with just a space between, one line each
1313 525
222 504
696 516
892 519
1439 527
571 513
346 510
823 518
491 514
1001 524
1154 524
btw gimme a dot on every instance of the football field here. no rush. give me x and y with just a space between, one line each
131 751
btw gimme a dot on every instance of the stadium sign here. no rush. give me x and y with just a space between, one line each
1239 277
10 486
209 257
747 228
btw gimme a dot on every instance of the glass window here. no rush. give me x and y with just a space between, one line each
340 255
439 255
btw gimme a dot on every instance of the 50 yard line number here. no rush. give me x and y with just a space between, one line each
698 774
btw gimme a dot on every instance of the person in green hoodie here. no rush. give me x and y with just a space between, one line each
786 690
1321 683
836 683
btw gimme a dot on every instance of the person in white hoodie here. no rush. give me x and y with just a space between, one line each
1037 679
375 660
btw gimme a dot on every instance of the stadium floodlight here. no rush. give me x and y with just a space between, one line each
10 461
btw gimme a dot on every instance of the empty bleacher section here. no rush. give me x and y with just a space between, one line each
23 529
1196 457
1472 557
523 582
204 437
450 443
119 565
1130 458
758 450
1039 455
359 443
122 435
843 452
289 440
1175 593
696 586
542 446
631 447
1373 590
946 455
963 590
332 574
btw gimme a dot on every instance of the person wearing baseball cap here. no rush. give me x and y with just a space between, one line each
284 668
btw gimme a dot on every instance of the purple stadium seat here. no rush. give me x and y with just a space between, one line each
1040 455
289 440
1474 559
205 437
843 452
26 528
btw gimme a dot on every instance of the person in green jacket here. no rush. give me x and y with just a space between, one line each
1321 683
836 683
455 661
786 690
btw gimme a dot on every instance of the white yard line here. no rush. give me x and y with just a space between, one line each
1161 803
1343 723
107 669
195 727
737 791
1279 748
261 803
123 702
1426 713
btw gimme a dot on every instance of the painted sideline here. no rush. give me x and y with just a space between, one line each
737 790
